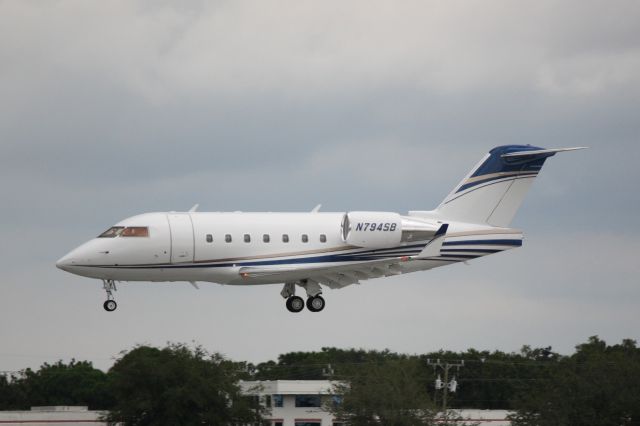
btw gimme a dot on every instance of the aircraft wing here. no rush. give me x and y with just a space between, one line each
331 276
343 275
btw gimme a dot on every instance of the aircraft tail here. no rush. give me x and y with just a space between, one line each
495 188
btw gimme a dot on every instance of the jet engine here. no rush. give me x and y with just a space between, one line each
372 229
379 230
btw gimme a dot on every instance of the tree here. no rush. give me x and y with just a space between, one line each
75 383
178 385
10 396
488 380
313 365
599 384
391 393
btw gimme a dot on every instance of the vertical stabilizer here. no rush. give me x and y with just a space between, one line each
494 190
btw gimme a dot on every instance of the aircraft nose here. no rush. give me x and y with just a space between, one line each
65 263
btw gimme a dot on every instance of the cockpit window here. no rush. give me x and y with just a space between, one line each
112 232
135 231
129 231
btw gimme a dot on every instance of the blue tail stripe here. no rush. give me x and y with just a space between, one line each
496 164
496 178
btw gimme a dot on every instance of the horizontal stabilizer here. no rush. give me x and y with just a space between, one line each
540 152
432 249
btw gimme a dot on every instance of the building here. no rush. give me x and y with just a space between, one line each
301 402
294 402
483 417
291 403
47 416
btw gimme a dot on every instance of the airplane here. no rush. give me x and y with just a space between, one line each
314 249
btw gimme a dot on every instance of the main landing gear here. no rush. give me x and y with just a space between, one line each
295 304
315 302
110 304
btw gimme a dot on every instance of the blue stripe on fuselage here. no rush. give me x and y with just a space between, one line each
362 256
365 255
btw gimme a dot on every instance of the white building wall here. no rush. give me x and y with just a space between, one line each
287 415
484 417
290 415
47 416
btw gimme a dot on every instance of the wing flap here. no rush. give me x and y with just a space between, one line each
336 281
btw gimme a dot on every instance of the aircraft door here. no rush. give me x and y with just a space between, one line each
181 237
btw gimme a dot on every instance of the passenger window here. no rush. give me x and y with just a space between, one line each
265 238
247 238
209 238
227 238
285 238
305 238
135 231
323 238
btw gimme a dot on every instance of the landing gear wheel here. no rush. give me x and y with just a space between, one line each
109 286
295 304
110 305
315 304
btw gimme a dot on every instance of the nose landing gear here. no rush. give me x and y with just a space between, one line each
110 304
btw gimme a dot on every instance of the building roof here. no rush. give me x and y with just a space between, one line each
287 387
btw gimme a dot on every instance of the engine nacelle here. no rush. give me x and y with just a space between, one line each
372 229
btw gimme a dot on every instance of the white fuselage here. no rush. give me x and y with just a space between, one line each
214 247
313 249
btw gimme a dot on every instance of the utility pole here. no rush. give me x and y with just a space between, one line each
445 385
328 372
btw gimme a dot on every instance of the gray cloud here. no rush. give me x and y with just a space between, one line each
109 110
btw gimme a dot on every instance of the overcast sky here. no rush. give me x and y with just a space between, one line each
110 109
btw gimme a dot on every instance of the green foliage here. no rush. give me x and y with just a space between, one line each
76 383
10 396
487 381
598 385
177 385
390 393
314 365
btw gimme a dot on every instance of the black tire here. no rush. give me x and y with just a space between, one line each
110 305
315 304
295 304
